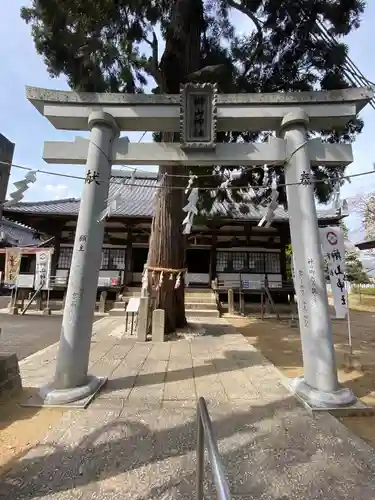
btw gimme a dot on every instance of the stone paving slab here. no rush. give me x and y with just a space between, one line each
271 452
137 439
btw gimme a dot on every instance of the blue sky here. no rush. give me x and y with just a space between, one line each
23 125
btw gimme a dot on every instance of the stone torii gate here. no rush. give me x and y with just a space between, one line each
291 115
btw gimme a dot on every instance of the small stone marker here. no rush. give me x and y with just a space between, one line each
294 323
242 303
102 302
142 323
230 302
158 323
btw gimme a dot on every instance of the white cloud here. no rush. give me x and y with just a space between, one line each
57 190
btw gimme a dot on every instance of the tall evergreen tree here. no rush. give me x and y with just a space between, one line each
99 46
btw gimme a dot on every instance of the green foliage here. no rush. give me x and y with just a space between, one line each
100 45
355 271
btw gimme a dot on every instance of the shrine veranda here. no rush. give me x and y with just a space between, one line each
230 246
198 113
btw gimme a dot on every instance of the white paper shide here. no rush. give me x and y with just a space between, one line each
332 239
42 270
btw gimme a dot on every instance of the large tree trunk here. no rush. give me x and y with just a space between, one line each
167 245
167 248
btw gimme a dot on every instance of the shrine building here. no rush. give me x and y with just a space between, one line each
225 244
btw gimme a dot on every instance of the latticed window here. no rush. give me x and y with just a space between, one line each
272 262
239 261
117 258
251 262
113 258
222 259
105 259
65 258
256 262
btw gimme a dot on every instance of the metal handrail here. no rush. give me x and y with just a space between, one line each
205 434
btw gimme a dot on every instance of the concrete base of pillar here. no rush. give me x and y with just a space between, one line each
77 397
13 310
47 311
316 399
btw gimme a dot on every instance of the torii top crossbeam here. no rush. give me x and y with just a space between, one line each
140 112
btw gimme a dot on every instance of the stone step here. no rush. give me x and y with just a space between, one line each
128 295
191 309
189 304
117 312
202 313
198 289
200 296
201 305
120 304
200 300
190 295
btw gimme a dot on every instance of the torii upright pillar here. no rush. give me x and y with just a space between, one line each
321 110
72 382
319 386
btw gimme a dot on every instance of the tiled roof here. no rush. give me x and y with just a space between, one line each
137 201
17 234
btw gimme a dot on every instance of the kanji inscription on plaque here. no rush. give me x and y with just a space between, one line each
198 116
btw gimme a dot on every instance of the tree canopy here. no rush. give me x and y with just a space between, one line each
100 46
355 270
113 46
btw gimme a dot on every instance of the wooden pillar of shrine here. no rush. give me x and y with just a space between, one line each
56 254
129 257
212 271
247 229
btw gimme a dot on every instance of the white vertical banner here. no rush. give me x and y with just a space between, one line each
332 239
43 269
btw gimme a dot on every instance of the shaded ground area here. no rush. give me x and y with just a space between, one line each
281 345
27 334
137 439
20 427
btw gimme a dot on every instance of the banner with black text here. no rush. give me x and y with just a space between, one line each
332 240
